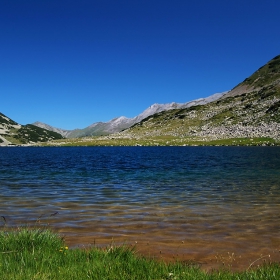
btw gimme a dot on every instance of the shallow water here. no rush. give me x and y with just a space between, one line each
210 204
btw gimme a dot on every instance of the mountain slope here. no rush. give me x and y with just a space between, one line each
265 78
62 132
251 109
13 133
121 123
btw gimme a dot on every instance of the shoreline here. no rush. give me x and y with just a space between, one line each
208 259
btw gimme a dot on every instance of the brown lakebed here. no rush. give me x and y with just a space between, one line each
233 238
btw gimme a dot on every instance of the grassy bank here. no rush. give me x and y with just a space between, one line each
41 254
162 141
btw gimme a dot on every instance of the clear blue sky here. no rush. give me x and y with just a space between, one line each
72 63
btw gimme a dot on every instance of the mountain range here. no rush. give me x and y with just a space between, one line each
121 123
249 110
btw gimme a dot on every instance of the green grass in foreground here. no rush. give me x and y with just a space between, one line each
28 253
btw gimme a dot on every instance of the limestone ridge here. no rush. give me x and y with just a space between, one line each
12 133
120 123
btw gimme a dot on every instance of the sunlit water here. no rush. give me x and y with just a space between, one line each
210 204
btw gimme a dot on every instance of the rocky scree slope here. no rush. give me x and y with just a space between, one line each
12 133
251 109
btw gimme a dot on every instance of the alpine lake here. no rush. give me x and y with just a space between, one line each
214 206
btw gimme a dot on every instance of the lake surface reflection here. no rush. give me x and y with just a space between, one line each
212 205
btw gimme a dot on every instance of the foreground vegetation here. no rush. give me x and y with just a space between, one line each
27 253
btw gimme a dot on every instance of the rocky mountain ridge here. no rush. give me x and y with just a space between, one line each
120 123
13 133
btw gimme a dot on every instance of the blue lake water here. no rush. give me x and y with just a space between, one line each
195 201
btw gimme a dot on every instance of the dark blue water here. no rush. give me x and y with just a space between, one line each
168 193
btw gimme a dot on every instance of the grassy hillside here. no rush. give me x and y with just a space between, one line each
266 75
252 114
